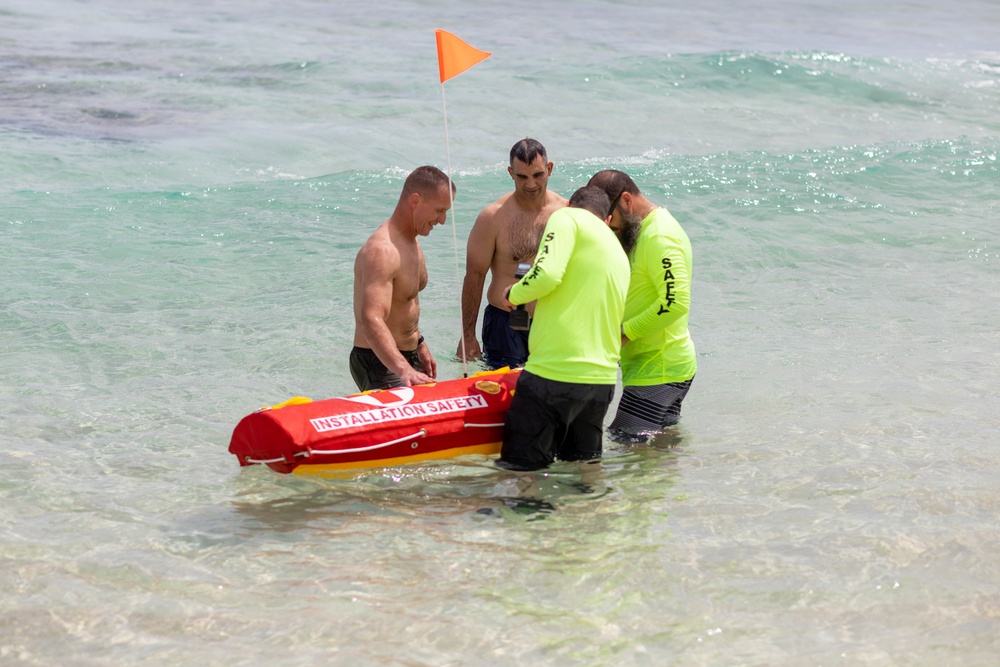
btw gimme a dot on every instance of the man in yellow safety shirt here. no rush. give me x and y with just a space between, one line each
579 279
658 356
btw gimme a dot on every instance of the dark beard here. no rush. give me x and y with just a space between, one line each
629 233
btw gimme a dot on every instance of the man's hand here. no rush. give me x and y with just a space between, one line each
507 305
472 349
427 362
412 376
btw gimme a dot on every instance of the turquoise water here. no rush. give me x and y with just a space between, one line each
184 190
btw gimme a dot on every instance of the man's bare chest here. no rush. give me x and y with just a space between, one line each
520 237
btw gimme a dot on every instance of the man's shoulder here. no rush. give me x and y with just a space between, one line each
490 211
661 232
379 249
569 215
661 218
554 200
508 207
553 203
502 203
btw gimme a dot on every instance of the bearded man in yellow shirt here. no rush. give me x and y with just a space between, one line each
658 357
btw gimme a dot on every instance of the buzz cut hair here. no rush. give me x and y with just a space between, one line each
426 180
591 199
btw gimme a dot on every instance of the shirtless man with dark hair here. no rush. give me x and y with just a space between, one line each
506 233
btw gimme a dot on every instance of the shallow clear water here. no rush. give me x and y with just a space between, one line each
184 190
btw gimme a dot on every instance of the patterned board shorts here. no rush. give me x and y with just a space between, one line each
644 411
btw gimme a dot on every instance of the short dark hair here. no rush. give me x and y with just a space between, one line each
526 150
426 180
614 183
592 199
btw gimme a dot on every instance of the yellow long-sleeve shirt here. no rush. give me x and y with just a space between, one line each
580 279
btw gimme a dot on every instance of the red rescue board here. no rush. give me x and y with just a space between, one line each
379 428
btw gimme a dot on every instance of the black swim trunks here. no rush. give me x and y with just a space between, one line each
549 419
370 373
502 346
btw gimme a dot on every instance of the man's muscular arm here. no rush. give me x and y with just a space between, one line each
478 258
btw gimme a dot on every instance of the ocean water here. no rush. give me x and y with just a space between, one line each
183 188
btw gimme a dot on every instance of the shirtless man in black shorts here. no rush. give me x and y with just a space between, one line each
389 273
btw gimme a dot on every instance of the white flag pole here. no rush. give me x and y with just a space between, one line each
454 235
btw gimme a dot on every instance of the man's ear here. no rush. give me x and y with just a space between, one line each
415 200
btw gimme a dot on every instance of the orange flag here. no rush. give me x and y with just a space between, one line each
454 55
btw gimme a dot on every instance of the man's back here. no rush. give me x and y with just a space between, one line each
581 276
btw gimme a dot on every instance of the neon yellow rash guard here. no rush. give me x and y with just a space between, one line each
580 279
660 349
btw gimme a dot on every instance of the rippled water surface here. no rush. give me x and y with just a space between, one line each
185 188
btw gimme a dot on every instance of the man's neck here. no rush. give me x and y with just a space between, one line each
401 223
533 203
645 207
